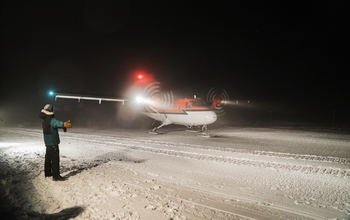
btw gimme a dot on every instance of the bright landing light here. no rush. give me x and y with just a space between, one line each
51 93
140 99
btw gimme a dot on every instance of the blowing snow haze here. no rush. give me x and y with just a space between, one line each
285 155
291 57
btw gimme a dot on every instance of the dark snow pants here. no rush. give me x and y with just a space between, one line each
52 161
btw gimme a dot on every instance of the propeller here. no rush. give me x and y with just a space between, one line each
165 100
152 89
223 96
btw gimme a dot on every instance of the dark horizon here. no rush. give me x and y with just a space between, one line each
284 56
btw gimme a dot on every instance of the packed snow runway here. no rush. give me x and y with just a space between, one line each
237 173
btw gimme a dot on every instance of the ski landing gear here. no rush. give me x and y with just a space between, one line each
204 131
191 128
154 130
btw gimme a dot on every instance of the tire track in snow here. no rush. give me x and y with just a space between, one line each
256 152
136 144
308 169
305 157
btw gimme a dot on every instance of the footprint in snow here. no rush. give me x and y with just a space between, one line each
155 187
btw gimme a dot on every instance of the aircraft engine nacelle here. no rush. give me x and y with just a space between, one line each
215 103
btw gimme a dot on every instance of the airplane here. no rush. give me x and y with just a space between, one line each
190 112
187 112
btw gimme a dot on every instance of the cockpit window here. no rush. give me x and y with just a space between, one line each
188 105
198 103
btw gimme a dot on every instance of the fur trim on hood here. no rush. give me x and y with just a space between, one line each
47 112
48 109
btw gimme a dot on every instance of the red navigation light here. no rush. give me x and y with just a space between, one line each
141 78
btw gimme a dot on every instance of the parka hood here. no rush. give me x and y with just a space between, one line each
43 114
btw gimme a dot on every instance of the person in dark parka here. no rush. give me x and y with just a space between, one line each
52 139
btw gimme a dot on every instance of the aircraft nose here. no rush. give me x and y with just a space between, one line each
211 117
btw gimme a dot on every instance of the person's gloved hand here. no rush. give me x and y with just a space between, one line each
64 129
67 124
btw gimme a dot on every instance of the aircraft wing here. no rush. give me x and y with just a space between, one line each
82 97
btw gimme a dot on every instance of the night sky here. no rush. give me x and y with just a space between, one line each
293 54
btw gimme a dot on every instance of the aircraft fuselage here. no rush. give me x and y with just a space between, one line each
185 117
188 112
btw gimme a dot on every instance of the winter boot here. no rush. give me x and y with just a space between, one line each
59 178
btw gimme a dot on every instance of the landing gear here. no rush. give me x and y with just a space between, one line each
190 128
204 131
154 130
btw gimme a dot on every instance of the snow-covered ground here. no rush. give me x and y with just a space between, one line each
237 173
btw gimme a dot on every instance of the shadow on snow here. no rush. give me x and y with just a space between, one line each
99 160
